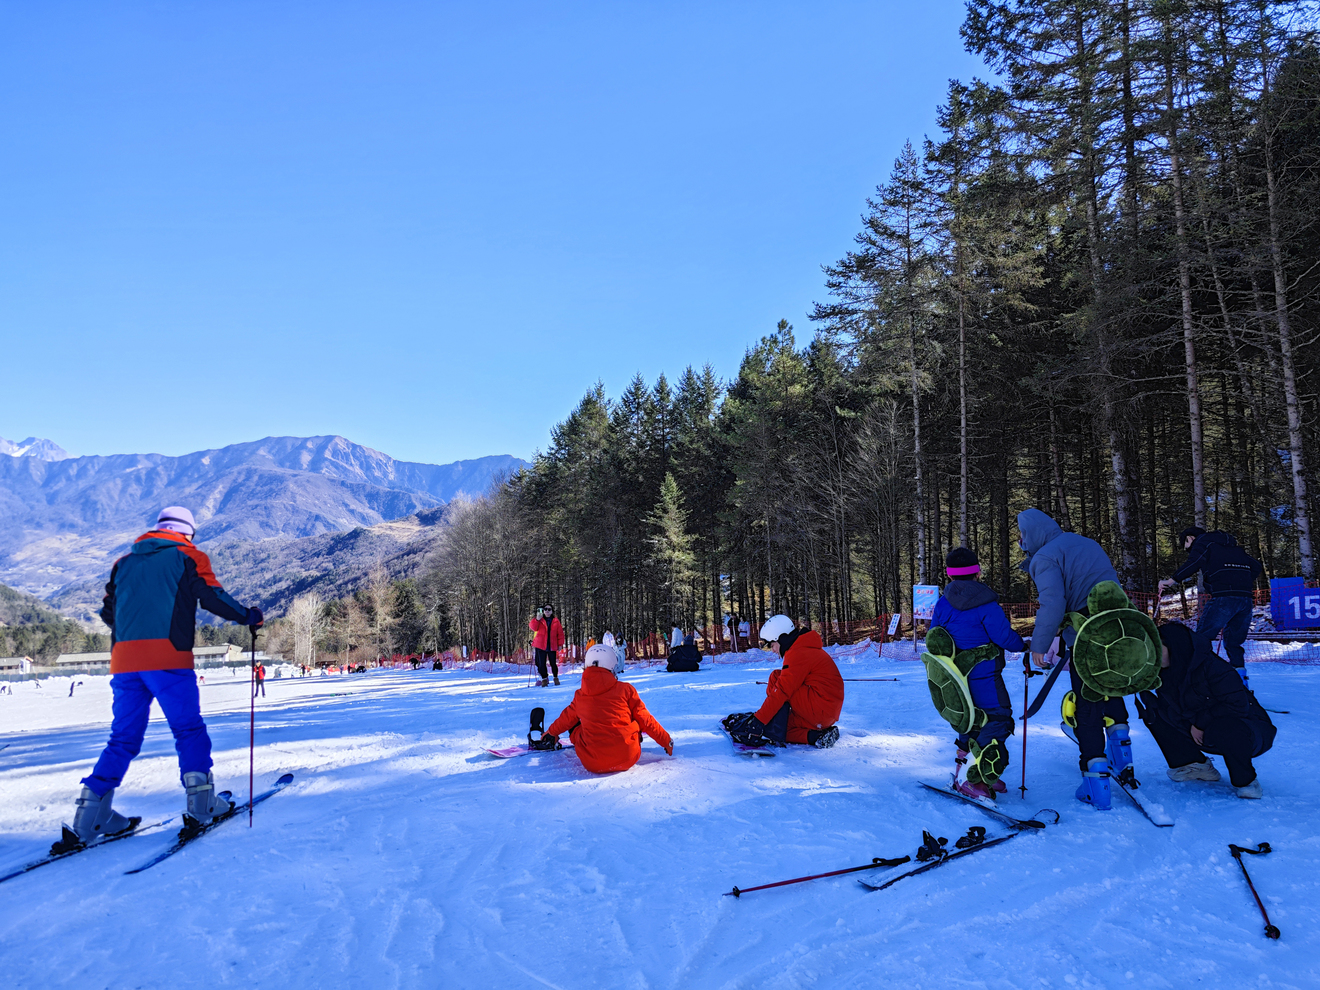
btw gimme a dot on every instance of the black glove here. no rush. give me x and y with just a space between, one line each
255 620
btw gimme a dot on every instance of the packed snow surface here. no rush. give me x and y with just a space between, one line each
404 856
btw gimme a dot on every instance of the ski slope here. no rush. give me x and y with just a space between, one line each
403 856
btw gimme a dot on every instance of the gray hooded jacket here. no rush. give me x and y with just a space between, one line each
1065 567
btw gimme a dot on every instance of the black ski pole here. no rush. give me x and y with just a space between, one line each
1028 674
252 724
875 864
1260 850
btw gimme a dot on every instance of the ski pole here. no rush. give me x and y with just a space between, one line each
875 864
252 724
1260 850
1027 673
854 679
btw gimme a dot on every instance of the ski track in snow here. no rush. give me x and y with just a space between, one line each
404 856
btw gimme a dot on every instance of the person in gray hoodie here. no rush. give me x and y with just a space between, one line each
1065 567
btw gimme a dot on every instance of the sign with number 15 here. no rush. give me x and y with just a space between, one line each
1293 605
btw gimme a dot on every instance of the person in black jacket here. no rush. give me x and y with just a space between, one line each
1202 707
684 657
1229 574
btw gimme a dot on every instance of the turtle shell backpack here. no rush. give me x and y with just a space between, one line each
947 669
1117 651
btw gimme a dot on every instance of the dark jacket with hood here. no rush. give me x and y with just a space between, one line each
1228 569
1065 567
1199 686
970 613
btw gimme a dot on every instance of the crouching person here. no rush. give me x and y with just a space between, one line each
606 717
1202 706
684 657
150 606
803 699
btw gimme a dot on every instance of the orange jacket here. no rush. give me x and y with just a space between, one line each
605 720
555 634
810 683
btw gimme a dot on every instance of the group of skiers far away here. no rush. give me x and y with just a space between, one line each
1193 702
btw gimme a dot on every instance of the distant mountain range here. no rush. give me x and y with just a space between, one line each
67 518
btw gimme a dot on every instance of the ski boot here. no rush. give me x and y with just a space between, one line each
545 682
556 680
1094 789
823 738
205 805
978 791
93 818
1118 747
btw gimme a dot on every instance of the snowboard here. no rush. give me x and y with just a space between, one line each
752 752
509 752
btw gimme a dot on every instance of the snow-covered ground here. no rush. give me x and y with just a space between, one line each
403 856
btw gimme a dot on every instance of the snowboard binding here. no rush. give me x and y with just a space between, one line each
542 741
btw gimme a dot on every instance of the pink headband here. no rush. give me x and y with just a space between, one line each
963 571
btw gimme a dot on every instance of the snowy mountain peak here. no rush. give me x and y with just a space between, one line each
42 450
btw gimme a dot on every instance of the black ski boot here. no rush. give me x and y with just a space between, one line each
556 680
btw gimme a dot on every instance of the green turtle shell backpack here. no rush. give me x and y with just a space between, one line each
1117 650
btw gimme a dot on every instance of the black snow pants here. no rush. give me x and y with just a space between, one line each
1091 719
547 656
1237 740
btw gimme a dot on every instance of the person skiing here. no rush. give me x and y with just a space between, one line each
150 606
1229 574
1065 567
606 718
547 641
970 613
803 699
1201 707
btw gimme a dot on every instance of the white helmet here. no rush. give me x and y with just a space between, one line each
604 656
776 626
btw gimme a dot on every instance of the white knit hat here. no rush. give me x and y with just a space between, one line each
177 519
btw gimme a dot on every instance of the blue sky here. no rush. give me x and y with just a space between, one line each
429 227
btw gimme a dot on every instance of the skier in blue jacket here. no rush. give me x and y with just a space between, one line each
970 613
1065 567
151 608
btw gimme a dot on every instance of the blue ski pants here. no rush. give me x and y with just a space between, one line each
1232 615
176 690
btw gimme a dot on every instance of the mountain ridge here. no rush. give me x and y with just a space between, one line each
69 518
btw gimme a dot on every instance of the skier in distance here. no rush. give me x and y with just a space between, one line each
547 641
150 606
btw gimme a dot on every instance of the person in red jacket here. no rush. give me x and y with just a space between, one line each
547 641
606 717
802 700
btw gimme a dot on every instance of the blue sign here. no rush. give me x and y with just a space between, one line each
1293 605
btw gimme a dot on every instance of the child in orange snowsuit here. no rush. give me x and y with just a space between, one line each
606 717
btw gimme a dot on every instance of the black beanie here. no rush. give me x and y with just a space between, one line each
1189 531
963 560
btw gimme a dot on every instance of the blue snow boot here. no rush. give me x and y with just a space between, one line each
1095 784
1118 745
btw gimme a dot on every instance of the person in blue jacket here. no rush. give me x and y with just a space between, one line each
150 606
1065 567
970 613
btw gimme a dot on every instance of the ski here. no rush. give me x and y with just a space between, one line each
55 857
188 834
975 843
989 809
1129 785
